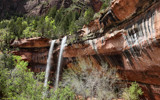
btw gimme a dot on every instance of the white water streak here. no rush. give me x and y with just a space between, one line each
60 60
48 64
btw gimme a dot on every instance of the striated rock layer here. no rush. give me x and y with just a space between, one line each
129 42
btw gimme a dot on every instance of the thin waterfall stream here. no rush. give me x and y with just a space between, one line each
48 64
60 60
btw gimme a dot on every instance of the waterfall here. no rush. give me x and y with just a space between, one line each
59 60
48 64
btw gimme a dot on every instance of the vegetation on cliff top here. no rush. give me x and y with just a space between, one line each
57 23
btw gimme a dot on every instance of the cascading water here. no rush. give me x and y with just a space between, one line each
60 60
48 64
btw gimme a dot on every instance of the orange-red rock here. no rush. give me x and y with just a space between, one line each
96 5
36 42
124 9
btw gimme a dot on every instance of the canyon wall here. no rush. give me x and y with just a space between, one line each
129 41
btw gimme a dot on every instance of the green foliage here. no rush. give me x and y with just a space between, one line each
52 12
85 18
4 24
16 27
57 23
4 39
63 93
88 15
46 26
105 4
30 30
6 63
64 21
22 84
5 36
133 92
7 60
4 73
68 21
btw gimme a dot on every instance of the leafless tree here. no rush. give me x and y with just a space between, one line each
88 81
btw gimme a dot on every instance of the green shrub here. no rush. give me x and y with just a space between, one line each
88 15
62 93
4 24
4 73
4 39
85 18
133 92
105 4
52 12
22 84
16 27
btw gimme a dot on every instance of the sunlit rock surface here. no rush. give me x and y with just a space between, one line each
127 37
